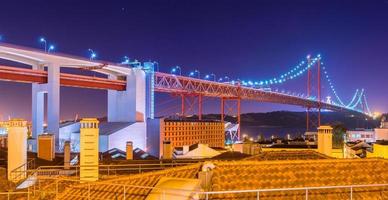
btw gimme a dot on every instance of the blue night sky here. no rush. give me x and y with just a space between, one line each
250 40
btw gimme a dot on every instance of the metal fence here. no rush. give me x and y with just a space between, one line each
52 188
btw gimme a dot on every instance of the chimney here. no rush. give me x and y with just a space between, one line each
89 137
325 143
129 149
46 147
167 150
66 155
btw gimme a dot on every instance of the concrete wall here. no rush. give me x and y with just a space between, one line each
381 133
135 133
129 105
66 133
379 150
153 137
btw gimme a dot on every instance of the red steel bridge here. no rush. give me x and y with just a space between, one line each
187 86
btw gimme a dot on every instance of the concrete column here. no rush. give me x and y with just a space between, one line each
53 97
150 90
129 105
38 91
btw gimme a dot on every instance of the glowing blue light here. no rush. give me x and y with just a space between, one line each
52 47
173 70
42 39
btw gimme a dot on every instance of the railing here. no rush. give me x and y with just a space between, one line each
305 189
23 170
104 169
11 195
55 187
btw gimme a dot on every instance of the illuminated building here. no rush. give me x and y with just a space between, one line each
89 149
366 135
184 132
382 132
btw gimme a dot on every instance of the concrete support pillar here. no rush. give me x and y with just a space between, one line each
52 88
129 105
150 89
53 97
38 91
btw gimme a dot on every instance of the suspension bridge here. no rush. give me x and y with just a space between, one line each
131 87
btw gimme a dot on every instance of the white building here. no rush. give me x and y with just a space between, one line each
365 135
382 132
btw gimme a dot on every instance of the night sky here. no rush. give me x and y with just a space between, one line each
250 40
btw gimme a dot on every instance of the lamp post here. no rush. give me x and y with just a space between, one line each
51 48
174 70
209 75
126 60
93 55
157 66
195 72
42 40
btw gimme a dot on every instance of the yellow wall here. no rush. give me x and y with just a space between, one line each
379 151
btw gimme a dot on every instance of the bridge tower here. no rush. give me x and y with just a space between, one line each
313 112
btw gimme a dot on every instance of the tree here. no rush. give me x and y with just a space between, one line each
339 132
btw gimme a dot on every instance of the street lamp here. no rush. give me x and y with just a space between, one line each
175 69
93 55
42 40
126 60
195 72
157 66
209 75
51 48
